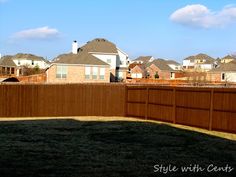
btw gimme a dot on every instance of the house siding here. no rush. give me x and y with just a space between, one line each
76 74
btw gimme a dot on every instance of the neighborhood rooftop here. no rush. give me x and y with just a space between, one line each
81 58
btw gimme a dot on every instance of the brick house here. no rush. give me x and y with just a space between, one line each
78 68
225 72
7 66
15 65
163 69
109 53
137 71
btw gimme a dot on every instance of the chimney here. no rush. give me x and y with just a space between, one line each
74 47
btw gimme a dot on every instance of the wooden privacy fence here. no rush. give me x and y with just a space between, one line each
209 108
21 100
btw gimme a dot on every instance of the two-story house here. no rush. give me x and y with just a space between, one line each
14 65
108 52
98 60
200 62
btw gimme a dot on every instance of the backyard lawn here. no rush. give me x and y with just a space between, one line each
118 148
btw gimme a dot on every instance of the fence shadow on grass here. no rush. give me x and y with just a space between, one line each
115 148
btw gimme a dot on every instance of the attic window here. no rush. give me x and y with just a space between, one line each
32 62
18 62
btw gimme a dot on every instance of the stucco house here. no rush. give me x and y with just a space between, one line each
163 69
200 62
225 72
78 67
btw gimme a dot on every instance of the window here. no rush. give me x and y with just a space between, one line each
18 62
8 70
3 70
172 75
95 72
87 72
109 61
102 73
12 70
223 76
61 72
32 62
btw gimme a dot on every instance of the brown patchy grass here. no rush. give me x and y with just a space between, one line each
107 147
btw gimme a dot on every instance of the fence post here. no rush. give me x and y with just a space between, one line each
125 105
174 105
211 109
146 104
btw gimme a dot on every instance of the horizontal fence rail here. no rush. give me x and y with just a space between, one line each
208 108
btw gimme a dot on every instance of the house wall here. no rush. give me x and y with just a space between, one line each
231 76
5 70
106 57
188 63
137 72
175 67
214 77
76 74
162 74
41 64
204 66
116 61
122 58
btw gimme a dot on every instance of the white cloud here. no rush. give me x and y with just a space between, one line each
198 15
41 33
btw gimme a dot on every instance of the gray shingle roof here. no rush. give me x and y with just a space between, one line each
81 58
229 57
144 59
27 57
7 61
84 55
99 45
172 62
201 56
231 66
161 64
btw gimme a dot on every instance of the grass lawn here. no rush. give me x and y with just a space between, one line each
74 148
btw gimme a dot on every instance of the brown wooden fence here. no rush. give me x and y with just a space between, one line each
209 108
22 100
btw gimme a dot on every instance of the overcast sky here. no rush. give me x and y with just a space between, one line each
170 29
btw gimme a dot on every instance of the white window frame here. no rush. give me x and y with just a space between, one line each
87 72
95 73
61 72
102 73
